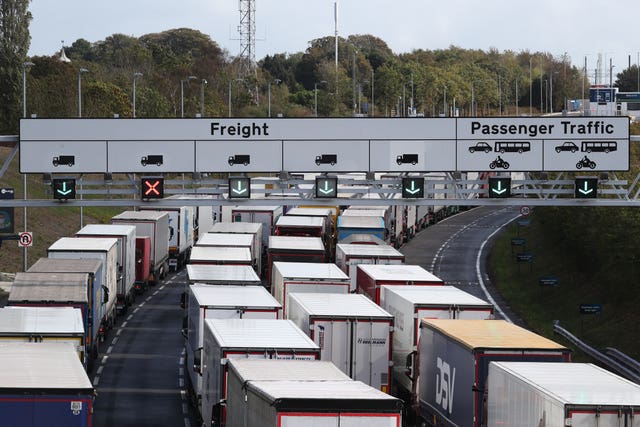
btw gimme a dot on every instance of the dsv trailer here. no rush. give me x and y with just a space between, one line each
454 357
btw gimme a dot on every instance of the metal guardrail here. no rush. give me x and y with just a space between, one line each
631 363
608 361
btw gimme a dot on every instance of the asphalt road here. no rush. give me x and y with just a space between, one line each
456 250
140 373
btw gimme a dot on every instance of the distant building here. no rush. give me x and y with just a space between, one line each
607 101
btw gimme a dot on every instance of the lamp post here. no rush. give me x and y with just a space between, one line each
276 81
25 65
202 83
551 90
372 94
80 71
188 79
231 81
474 111
135 76
444 100
315 96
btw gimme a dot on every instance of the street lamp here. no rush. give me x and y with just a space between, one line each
188 79
202 83
551 90
231 81
80 71
444 101
315 92
276 81
474 111
135 76
25 65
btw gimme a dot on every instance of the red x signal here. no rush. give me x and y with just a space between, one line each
152 188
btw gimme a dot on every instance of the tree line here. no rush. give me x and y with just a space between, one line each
183 72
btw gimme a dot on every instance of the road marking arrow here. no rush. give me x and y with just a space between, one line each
586 189
239 190
326 189
64 190
413 189
499 190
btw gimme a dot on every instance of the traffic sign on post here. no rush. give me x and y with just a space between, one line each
239 188
412 188
64 188
6 214
586 188
499 187
152 188
326 187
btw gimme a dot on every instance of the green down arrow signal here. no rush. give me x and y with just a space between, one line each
239 190
413 189
586 189
64 191
499 190
326 189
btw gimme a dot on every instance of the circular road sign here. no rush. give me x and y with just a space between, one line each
25 239
525 210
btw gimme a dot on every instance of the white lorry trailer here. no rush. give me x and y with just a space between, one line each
94 295
219 255
410 304
266 215
242 371
101 248
371 277
291 277
222 302
155 225
63 290
294 249
454 357
182 225
320 403
44 324
349 255
126 235
232 240
352 332
248 339
555 394
222 274
303 394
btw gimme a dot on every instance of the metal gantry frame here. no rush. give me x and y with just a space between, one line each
442 188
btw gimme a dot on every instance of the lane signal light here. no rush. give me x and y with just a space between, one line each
499 188
152 188
240 188
586 188
64 188
412 188
326 187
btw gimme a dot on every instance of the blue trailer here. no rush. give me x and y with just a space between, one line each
44 384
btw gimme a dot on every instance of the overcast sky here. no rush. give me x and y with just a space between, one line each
578 27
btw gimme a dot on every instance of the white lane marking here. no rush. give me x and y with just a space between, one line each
104 359
114 341
110 349
130 316
137 308
187 423
482 285
181 372
181 382
96 380
119 331
99 371
156 292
